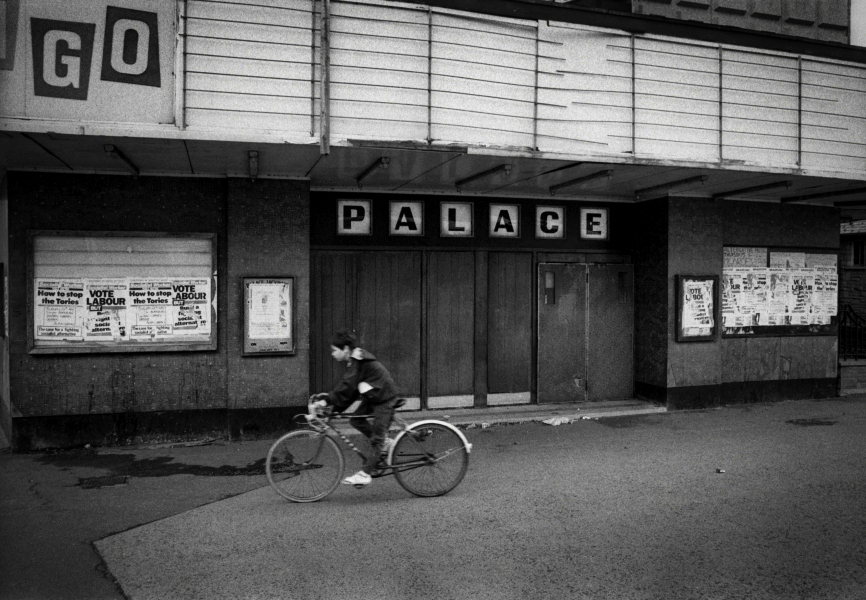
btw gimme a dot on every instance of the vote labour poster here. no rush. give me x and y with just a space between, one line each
122 310
697 306
106 301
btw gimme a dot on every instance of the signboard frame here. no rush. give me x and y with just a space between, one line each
684 332
204 342
273 343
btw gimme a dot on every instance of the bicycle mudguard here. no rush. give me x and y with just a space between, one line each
466 443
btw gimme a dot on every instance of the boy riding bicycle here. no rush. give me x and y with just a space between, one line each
367 380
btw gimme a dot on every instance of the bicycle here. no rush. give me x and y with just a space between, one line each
428 457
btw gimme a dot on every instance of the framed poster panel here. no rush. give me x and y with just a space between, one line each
104 291
269 308
697 298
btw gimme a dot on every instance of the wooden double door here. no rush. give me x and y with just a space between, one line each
457 328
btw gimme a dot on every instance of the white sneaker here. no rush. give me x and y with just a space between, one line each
359 479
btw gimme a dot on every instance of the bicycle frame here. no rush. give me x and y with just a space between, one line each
324 426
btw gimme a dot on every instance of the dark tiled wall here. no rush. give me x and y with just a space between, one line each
262 229
825 20
650 257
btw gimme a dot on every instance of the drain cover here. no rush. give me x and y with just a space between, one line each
107 481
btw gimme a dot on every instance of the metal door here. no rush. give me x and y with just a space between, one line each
561 333
610 332
585 332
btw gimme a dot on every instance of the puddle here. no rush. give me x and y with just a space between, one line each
161 466
811 422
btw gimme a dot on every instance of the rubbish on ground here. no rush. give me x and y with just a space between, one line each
485 425
720 470
557 421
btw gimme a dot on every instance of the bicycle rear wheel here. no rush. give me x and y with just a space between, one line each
430 459
304 466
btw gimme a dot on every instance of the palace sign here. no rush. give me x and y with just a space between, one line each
457 219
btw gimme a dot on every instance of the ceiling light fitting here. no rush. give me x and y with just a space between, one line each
824 195
380 163
114 152
477 176
650 192
757 188
606 174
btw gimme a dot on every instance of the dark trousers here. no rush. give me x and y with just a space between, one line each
375 428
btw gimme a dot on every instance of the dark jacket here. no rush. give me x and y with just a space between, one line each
362 367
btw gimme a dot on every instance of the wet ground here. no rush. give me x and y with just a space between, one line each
759 502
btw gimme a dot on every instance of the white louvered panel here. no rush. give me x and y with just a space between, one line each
248 86
249 65
476 64
676 100
760 93
249 50
834 116
378 72
242 103
584 95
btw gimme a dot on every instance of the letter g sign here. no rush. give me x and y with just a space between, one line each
62 53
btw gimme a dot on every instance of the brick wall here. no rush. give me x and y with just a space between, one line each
852 377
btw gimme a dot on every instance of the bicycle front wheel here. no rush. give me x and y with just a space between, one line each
304 466
430 459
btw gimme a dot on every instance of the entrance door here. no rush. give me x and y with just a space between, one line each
585 332
561 332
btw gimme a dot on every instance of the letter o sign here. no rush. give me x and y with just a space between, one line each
130 52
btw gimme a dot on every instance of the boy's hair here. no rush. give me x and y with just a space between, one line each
344 338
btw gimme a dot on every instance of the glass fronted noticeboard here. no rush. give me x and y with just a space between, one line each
268 315
121 292
779 292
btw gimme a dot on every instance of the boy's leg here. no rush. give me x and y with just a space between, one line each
382 415
363 425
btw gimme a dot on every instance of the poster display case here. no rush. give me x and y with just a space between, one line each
775 292
268 315
697 298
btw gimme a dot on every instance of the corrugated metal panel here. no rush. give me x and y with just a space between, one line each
249 64
676 100
834 116
584 90
378 72
483 81
760 108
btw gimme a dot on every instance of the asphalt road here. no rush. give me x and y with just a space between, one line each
616 508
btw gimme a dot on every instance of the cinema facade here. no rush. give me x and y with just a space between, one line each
527 203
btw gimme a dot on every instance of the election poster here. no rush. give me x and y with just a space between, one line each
190 307
797 289
696 307
105 317
122 309
268 315
58 312
736 256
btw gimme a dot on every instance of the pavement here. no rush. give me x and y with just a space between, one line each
197 519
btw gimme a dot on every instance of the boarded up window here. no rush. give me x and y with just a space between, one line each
121 292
